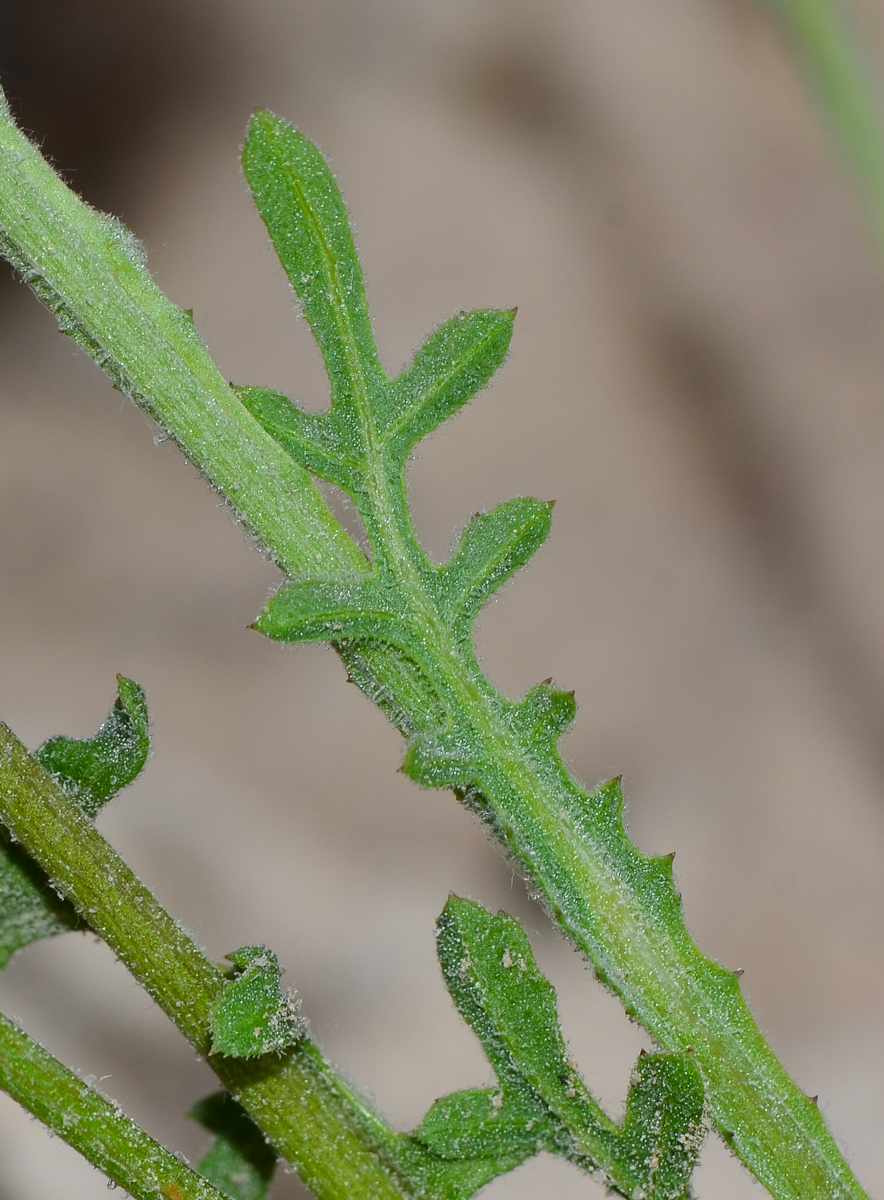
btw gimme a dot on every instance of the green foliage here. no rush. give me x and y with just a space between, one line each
253 1015
240 1162
402 625
541 1102
91 771
404 634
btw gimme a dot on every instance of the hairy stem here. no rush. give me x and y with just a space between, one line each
314 1120
90 271
92 1124
618 906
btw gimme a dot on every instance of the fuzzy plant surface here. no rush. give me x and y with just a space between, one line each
402 624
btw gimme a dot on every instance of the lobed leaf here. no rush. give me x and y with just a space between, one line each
619 906
492 976
91 771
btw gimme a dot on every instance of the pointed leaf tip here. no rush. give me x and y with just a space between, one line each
491 549
457 361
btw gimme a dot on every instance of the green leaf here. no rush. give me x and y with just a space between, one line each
493 547
240 1162
455 363
305 216
492 976
91 771
616 904
253 1016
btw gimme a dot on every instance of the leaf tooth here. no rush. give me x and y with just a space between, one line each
543 716
441 759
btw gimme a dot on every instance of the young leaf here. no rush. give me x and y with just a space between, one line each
91 771
490 971
253 1016
240 1161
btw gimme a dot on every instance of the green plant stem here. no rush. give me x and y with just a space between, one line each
313 1119
92 1124
848 91
90 272
618 906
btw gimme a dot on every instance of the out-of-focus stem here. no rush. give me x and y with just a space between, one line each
844 80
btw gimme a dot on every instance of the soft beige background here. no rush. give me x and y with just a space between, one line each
696 378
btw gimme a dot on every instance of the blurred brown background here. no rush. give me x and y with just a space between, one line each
696 378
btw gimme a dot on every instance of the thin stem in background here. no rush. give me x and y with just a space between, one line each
846 84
